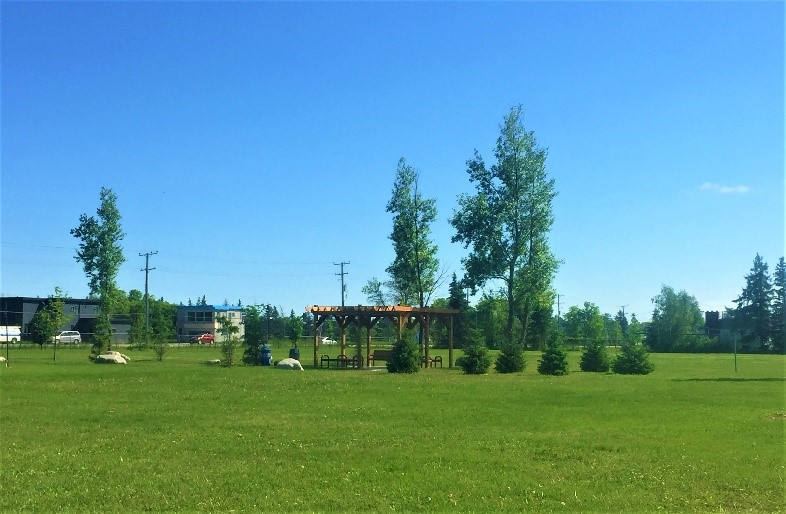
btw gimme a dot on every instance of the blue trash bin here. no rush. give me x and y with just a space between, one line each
266 359
294 353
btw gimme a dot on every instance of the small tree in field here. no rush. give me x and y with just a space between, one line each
595 357
475 361
404 357
632 360
228 330
510 359
554 360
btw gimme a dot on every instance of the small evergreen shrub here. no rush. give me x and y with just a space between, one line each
554 360
475 361
404 357
510 359
252 355
633 359
595 357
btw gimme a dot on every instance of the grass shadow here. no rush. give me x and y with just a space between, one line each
728 379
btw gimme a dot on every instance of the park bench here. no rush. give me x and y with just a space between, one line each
342 361
379 355
384 355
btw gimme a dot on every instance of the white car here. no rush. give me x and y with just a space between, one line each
327 341
69 336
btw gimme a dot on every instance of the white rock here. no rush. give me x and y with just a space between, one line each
2 359
289 364
110 358
123 355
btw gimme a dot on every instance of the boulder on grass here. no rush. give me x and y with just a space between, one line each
110 358
289 364
2 359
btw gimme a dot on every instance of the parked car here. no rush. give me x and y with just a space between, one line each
69 337
327 341
206 338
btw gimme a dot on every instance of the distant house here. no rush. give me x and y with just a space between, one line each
81 313
195 320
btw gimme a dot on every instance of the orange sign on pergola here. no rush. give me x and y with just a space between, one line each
369 315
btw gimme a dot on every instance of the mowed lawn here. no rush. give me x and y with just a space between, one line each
178 435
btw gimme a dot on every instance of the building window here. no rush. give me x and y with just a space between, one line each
200 317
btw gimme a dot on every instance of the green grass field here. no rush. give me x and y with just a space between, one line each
177 435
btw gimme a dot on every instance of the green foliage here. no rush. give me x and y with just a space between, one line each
595 357
47 320
753 312
633 359
415 267
294 328
510 359
228 331
404 357
475 361
254 335
583 325
554 360
160 348
778 312
506 223
677 323
101 256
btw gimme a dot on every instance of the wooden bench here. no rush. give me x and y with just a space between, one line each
342 361
379 355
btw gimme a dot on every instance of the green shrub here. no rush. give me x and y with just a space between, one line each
228 347
554 360
595 357
510 359
633 359
475 361
160 348
404 357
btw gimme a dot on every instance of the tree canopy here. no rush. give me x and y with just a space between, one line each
506 222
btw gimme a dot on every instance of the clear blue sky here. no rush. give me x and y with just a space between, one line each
255 144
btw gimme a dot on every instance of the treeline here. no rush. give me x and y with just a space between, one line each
678 324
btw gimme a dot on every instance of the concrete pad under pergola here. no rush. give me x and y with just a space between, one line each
369 315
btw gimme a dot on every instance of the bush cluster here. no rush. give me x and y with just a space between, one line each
633 359
595 358
510 359
404 357
475 361
554 360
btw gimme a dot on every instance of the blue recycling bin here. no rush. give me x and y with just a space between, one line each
294 353
265 358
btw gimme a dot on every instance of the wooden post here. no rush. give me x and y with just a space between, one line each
450 341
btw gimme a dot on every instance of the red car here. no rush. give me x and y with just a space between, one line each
206 338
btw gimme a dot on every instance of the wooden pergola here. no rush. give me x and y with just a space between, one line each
369 315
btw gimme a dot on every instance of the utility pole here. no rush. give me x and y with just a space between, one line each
343 287
147 270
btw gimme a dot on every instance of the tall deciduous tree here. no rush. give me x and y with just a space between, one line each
677 323
101 256
507 221
778 313
414 271
754 305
